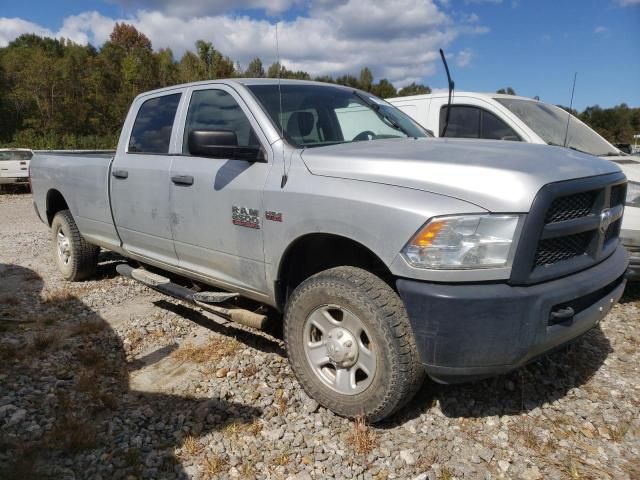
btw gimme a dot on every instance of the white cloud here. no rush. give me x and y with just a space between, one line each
600 29
192 8
333 38
11 28
463 58
628 3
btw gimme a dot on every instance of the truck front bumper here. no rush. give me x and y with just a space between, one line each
470 331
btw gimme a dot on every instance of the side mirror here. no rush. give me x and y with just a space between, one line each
221 144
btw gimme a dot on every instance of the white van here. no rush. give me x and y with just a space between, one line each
513 118
14 166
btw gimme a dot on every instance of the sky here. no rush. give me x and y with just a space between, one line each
534 46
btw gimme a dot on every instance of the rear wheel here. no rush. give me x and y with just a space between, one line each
75 257
350 344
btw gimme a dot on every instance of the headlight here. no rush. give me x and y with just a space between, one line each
633 194
463 242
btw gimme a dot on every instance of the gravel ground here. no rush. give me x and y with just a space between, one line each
106 379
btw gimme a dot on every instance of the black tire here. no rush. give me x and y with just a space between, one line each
82 258
398 374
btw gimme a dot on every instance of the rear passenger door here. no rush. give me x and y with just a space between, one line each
218 215
140 181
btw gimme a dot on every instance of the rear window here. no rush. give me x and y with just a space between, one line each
15 155
151 131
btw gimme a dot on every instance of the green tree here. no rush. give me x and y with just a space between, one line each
129 38
366 79
507 91
384 89
255 69
414 89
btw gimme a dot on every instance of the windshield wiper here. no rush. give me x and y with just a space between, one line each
383 116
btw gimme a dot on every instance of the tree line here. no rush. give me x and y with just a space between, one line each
57 94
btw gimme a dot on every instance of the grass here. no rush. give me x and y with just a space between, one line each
73 435
132 457
617 432
191 447
445 474
58 297
361 437
280 401
526 432
247 470
134 338
88 327
573 471
214 464
281 460
43 341
215 349
235 428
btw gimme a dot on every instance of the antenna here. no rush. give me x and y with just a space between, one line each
451 87
283 182
573 89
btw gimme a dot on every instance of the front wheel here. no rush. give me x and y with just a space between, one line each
75 257
350 344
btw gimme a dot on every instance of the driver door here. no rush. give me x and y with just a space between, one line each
217 212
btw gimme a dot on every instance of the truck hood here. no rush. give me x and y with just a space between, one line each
496 175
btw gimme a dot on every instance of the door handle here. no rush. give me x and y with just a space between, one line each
120 174
182 179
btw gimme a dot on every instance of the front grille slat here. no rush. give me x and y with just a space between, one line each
555 250
570 207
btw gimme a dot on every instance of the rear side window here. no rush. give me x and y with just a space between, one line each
464 122
495 129
473 122
151 131
217 110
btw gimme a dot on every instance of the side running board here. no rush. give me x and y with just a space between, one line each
204 300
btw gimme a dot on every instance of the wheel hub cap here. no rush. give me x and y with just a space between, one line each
342 348
339 350
64 251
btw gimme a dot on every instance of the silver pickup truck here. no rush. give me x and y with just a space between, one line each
390 253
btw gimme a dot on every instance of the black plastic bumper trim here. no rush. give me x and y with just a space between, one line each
470 331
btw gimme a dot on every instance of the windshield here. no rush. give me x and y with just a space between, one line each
15 155
550 123
318 115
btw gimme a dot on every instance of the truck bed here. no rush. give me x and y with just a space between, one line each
82 179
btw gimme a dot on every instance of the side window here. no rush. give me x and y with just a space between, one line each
151 131
217 110
464 122
495 129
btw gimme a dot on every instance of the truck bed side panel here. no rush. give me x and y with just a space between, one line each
83 181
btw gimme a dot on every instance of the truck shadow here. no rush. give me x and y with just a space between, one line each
631 292
66 407
541 382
